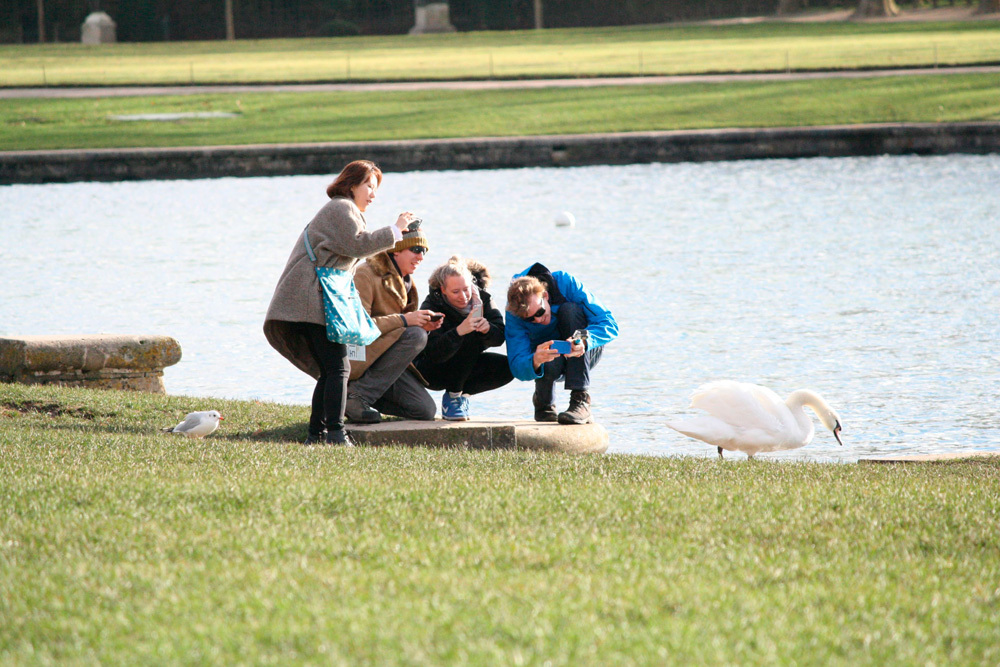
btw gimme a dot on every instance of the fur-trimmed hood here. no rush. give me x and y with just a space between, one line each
392 282
480 273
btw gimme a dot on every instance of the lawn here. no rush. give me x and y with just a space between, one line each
311 117
119 544
636 50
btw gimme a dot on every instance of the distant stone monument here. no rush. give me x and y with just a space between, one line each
431 16
98 28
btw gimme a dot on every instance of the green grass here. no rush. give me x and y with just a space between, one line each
310 117
122 545
564 52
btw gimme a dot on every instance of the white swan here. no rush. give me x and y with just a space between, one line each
749 418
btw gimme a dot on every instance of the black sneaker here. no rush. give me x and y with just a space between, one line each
339 438
578 411
360 412
543 412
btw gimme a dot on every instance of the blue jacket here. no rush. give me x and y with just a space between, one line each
523 337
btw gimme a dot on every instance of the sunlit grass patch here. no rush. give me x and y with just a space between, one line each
122 544
315 117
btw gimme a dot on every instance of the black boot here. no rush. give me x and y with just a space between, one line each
314 438
578 411
339 437
544 412
360 412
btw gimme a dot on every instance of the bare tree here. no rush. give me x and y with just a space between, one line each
41 21
875 9
988 6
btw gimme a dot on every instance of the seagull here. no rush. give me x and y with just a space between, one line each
197 424
750 418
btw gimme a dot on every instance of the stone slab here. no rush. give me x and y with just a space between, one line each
485 434
925 458
133 363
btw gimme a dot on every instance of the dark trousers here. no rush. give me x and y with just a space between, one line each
469 371
330 396
575 370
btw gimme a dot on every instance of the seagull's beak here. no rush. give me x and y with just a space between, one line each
222 419
836 433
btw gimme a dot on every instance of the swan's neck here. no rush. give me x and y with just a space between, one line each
806 398
803 397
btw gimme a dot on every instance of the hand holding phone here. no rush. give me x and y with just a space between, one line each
436 316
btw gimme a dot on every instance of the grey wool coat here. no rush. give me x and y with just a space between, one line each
340 239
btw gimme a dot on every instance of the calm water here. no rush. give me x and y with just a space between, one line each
875 281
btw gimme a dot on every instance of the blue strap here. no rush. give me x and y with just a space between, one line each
309 249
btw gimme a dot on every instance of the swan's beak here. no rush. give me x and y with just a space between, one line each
836 433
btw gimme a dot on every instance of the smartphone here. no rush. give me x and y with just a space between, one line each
562 346
436 316
477 310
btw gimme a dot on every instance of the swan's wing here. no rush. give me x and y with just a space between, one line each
742 405
772 404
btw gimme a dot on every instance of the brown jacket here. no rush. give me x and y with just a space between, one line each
339 238
385 297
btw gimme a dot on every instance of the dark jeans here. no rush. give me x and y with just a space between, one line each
470 370
388 385
330 396
575 370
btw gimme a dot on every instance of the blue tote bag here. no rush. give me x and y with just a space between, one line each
347 321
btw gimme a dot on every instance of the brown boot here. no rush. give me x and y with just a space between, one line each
544 412
578 411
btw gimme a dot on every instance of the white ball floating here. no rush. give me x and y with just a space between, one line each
565 219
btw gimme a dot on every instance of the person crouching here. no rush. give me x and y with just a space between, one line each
545 308
455 358
383 381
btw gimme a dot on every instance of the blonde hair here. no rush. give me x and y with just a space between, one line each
520 292
455 266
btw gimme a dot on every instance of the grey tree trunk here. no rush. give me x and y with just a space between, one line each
988 6
230 28
875 9
538 15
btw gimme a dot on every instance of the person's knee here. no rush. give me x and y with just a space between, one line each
422 407
427 411
571 316
413 338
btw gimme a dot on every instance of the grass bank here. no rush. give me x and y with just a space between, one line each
615 51
311 117
122 545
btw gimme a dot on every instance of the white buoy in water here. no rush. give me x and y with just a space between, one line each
565 219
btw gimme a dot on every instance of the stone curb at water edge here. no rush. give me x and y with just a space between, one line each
61 166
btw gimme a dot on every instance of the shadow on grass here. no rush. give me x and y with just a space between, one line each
289 433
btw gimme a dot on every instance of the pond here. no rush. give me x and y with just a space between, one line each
874 281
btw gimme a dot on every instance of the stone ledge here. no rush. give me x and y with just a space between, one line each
114 164
485 434
133 363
